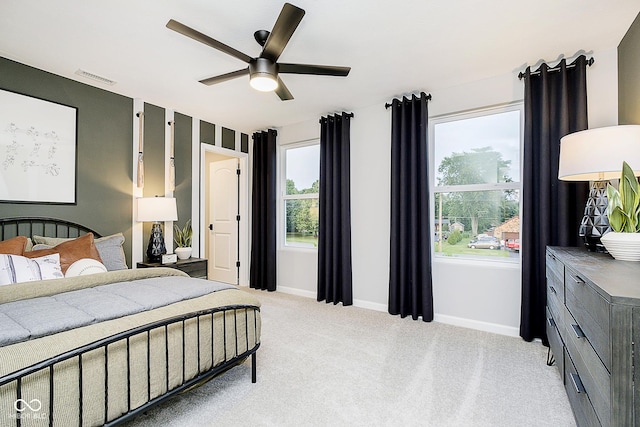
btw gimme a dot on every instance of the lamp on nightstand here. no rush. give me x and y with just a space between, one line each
156 210
596 155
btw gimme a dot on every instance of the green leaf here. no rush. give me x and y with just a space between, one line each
614 209
183 236
623 206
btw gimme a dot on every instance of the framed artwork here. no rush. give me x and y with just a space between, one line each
38 141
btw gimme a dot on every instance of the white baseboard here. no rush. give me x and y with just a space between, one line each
477 324
311 294
296 291
441 318
370 305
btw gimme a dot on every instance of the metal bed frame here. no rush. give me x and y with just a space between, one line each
58 228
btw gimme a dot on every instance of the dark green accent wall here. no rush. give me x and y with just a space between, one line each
207 133
154 149
228 138
629 76
105 132
182 151
244 142
154 131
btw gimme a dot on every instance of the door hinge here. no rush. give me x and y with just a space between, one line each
238 171
237 217
237 263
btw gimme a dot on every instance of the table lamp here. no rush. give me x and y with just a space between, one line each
596 155
156 210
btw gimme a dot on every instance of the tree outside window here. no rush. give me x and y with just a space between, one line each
302 184
477 183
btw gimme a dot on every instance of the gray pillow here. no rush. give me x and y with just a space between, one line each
109 248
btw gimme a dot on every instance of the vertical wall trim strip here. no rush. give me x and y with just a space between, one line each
196 200
136 227
169 116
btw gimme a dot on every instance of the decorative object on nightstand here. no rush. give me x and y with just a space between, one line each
156 210
596 155
182 237
623 209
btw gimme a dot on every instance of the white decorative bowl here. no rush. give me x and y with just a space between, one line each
622 246
183 253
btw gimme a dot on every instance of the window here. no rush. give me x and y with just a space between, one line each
300 194
477 184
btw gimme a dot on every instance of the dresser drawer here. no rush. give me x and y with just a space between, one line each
593 373
555 305
556 267
578 396
591 313
555 342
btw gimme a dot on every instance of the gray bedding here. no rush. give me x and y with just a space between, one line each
36 317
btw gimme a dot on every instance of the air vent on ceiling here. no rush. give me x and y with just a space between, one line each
95 77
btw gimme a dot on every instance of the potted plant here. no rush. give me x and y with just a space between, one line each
623 210
182 237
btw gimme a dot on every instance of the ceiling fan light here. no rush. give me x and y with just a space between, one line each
263 82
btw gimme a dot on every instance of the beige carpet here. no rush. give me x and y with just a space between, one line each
326 365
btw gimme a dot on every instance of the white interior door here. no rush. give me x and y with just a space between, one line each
223 225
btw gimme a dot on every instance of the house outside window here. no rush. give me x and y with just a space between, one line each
476 177
300 187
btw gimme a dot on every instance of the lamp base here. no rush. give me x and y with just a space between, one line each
595 222
156 247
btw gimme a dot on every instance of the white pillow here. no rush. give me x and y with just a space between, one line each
17 269
85 266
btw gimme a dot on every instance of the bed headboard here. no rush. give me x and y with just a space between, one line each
41 226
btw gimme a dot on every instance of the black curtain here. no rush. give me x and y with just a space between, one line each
410 287
263 216
334 228
555 104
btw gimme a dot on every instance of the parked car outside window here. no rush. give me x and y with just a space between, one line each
484 243
513 244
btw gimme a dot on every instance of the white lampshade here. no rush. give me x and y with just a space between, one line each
597 154
157 209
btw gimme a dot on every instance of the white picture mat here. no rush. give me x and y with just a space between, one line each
37 150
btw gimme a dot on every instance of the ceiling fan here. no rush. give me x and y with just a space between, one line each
263 71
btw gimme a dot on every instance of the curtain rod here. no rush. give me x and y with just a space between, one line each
389 104
346 115
590 62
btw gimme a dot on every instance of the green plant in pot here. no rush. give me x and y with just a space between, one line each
623 210
182 237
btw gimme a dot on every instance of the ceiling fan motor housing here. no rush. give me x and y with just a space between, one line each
262 67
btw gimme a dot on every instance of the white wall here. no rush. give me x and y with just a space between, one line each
492 300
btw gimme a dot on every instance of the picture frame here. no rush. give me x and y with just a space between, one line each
38 150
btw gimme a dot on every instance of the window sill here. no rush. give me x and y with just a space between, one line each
511 264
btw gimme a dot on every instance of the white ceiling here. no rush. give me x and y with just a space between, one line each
393 46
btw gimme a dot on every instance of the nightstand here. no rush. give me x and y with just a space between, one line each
194 267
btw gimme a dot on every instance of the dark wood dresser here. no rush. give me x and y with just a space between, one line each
593 318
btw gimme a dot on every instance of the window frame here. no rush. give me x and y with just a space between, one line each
282 202
435 189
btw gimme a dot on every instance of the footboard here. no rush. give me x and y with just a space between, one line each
113 379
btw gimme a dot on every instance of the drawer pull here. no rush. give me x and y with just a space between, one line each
578 280
551 322
577 383
553 290
578 331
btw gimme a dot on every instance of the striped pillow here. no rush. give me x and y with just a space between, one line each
17 269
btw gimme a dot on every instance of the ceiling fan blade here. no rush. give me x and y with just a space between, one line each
282 91
320 70
224 77
287 22
203 38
